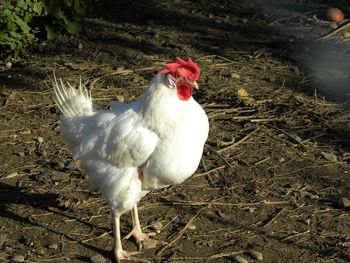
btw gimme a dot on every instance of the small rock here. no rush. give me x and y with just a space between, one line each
40 139
240 259
235 75
18 258
53 246
346 34
268 232
333 25
192 227
251 210
97 258
329 156
120 98
60 164
157 226
343 202
8 65
256 255
21 154
80 46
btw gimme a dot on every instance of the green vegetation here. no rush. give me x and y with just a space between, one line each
22 21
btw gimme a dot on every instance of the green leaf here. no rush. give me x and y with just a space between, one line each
37 7
79 7
11 26
21 4
22 25
7 12
73 28
62 15
50 32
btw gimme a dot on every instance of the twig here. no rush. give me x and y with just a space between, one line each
342 27
289 135
306 167
93 238
219 155
239 142
295 235
224 254
179 235
209 171
262 161
223 204
273 218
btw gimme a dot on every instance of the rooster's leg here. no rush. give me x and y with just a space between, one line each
119 253
143 240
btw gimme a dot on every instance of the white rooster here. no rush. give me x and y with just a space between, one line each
133 148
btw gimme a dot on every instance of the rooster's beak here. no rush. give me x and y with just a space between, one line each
193 84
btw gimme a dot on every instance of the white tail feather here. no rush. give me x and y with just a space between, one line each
71 101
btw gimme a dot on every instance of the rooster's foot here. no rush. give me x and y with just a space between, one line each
143 240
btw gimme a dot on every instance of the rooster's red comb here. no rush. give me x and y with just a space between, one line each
187 69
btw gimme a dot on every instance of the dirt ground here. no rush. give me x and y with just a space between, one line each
275 175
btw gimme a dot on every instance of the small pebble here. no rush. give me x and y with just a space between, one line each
256 255
80 46
60 164
251 210
157 226
192 227
333 25
8 65
240 259
53 246
346 34
21 154
120 98
329 156
235 75
40 139
97 258
18 258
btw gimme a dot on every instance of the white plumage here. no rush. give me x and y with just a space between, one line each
133 148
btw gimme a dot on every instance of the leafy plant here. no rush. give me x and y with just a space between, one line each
65 16
21 20
15 31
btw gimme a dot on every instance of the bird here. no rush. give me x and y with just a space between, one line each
134 148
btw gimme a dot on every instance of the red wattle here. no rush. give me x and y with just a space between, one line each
184 92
